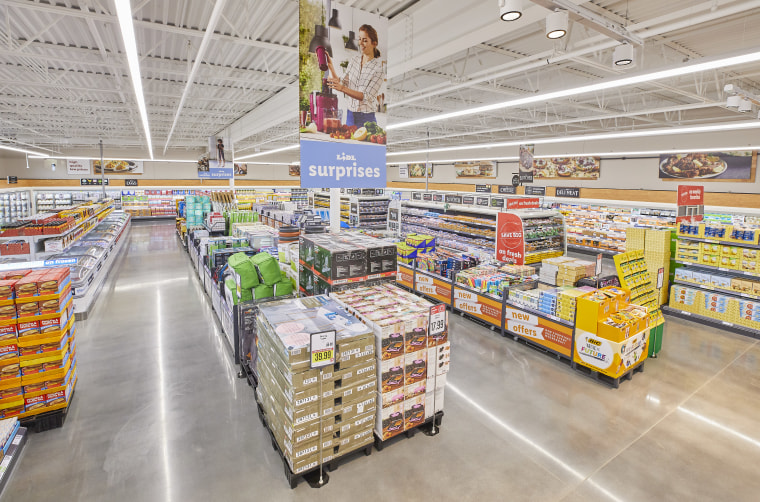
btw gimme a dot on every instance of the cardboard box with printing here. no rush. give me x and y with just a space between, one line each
389 337
414 412
390 421
415 373
356 373
392 374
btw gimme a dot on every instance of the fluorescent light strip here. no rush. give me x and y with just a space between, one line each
124 13
21 150
591 154
276 150
600 86
57 157
754 124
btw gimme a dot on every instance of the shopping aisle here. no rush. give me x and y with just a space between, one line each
159 415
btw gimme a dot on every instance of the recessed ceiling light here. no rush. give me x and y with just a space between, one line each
510 10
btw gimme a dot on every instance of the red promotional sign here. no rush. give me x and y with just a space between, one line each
691 201
523 203
510 241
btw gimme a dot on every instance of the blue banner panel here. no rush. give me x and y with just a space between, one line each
326 164
214 171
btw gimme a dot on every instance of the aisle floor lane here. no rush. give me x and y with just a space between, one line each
159 415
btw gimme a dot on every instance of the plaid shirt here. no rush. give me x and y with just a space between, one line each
366 80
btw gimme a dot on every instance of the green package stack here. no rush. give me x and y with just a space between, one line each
258 277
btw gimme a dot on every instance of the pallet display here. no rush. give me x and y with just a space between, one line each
146 204
315 415
38 344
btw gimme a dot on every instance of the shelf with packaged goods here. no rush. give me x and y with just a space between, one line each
731 271
711 321
719 242
591 249
12 455
713 289
449 230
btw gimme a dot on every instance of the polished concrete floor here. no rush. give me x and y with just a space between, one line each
159 415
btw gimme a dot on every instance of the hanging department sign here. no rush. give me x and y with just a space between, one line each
691 202
211 169
342 139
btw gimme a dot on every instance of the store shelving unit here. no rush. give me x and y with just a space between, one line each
458 227
595 228
144 204
56 200
14 205
12 455
719 283
358 211
39 245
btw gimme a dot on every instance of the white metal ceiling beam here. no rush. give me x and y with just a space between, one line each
591 19
59 10
215 16
277 109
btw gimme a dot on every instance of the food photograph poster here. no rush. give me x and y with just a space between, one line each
482 169
417 170
559 168
714 166
128 167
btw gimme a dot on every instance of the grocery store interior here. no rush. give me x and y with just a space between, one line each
550 290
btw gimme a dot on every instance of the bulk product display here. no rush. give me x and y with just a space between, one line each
599 228
565 271
509 299
14 206
659 246
315 415
330 262
50 233
413 355
195 210
719 283
150 203
37 345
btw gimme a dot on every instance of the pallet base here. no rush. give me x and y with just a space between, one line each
606 380
428 427
312 476
45 421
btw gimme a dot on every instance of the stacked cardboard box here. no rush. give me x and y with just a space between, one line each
550 268
571 272
315 414
566 302
37 342
330 262
411 363
657 255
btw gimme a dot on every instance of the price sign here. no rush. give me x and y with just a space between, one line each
437 320
660 277
598 265
322 349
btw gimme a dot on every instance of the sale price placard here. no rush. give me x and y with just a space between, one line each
322 349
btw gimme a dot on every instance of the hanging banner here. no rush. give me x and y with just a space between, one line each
294 170
342 91
210 169
241 169
691 202
559 168
715 166
417 170
78 166
481 169
510 241
526 163
126 167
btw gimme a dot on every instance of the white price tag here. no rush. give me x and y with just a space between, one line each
437 320
322 349
17 439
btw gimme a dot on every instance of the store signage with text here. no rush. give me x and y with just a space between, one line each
510 240
478 306
483 188
130 183
12 180
405 276
416 196
468 200
507 189
437 197
341 165
453 199
427 197
497 202
551 335
572 193
531 190
433 287
482 201
77 166
691 201
213 170
92 181
523 203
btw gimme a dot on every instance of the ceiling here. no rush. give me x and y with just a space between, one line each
65 84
